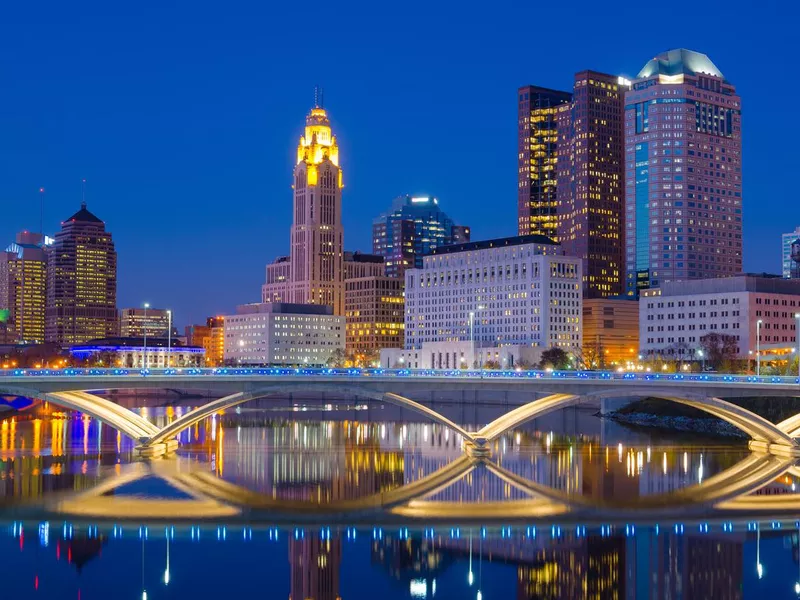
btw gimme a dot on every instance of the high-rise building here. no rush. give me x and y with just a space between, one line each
134 322
787 239
313 272
81 282
590 182
23 287
571 174
373 303
683 172
538 117
413 227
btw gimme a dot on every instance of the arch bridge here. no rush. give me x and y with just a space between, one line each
531 393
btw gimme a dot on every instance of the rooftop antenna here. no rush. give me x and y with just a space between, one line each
318 97
41 211
83 193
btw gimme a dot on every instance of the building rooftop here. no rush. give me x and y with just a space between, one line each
764 283
283 308
84 216
363 258
517 240
129 342
680 61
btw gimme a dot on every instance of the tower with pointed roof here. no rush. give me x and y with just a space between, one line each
82 281
313 273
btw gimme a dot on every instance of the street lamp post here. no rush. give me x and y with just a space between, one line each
797 335
758 347
144 326
703 359
169 338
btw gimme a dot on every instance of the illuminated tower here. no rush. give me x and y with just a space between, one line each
314 271
23 286
81 282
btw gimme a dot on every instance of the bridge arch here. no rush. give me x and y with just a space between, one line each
758 428
195 416
120 418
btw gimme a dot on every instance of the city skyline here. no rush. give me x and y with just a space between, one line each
211 166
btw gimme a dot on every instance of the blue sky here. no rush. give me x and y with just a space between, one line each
184 118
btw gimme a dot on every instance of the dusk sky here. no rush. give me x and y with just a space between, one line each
184 118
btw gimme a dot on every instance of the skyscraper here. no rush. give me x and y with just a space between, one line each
590 182
538 116
787 239
313 272
23 286
571 174
81 282
413 227
683 172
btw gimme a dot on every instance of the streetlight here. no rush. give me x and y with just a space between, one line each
169 337
758 347
702 356
797 335
144 326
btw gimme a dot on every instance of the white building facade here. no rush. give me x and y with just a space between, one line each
518 291
674 318
282 334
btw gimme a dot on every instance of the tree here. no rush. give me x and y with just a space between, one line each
491 365
337 359
718 348
524 365
554 358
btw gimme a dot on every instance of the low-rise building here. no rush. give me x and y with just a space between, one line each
610 331
135 353
460 355
518 291
282 334
674 318
214 343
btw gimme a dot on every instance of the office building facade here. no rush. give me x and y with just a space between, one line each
787 239
81 282
590 181
282 334
313 273
374 305
23 287
413 227
509 291
683 173
138 322
610 332
674 318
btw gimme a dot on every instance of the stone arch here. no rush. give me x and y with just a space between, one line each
758 428
191 418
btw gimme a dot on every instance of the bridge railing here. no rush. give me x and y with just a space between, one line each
399 373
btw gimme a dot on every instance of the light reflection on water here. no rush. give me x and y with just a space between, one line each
343 459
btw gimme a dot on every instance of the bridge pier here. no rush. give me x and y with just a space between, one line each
478 448
157 450
783 450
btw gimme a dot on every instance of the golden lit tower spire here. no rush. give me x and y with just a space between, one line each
315 274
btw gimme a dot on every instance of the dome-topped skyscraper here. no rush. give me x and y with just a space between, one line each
313 273
81 281
683 173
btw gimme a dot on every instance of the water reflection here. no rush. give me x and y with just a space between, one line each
387 509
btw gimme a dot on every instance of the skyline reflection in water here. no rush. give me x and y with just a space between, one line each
343 460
